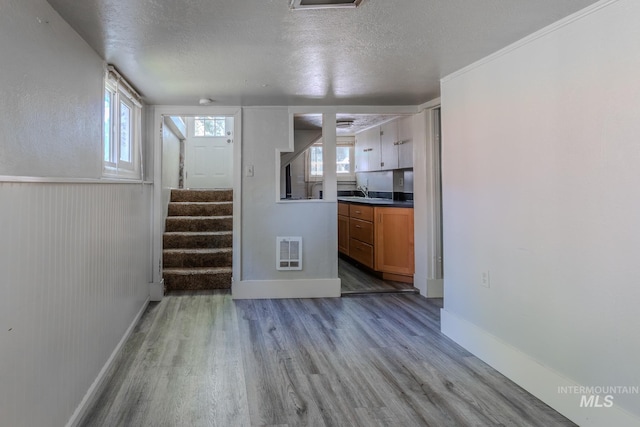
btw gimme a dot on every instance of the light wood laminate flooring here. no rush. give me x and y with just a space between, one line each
357 280
202 359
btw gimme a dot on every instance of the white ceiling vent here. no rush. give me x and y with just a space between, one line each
323 4
289 251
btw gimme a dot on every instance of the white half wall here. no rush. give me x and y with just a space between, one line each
540 183
75 270
265 130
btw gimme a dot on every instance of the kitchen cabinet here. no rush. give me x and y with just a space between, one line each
388 145
361 252
394 245
361 234
396 144
367 150
343 228
405 142
378 237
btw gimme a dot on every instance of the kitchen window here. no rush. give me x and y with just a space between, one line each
344 161
122 122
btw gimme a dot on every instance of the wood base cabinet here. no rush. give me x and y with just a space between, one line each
343 228
380 238
394 245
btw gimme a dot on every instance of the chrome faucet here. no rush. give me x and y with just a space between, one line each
364 190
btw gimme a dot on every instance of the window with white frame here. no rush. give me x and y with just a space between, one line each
209 126
122 122
345 168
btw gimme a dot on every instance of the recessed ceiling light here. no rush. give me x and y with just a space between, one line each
205 101
324 4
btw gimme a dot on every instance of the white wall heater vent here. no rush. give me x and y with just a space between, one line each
289 250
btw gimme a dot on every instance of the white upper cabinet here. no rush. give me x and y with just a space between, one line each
397 144
385 147
405 142
388 145
368 150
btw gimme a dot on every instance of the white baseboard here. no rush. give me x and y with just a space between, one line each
156 290
296 288
420 283
435 288
541 381
90 395
430 288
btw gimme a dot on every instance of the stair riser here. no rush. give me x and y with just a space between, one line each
201 224
222 209
201 195
198 241
197 282
190 260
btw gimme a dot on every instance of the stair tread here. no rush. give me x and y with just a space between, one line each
198 250
199 233
187 217
202 203
196 270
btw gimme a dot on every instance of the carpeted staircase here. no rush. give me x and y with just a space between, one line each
197 243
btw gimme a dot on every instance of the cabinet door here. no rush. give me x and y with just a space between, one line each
405 142
361 153
394 240
389 145
343 234
369 150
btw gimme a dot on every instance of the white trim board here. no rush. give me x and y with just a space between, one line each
58 180
528 373
295 288
92 393
156 290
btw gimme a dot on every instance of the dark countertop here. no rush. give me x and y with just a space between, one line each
376 202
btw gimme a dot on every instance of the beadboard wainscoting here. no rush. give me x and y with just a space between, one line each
75 268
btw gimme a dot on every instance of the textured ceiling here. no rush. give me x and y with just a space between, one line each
354 123
259 52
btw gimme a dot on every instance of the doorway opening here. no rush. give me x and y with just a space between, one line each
196 211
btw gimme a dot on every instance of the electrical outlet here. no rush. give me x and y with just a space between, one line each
485 279
401 182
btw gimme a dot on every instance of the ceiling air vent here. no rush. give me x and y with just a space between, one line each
324 4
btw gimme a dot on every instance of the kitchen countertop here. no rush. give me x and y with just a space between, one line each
374 201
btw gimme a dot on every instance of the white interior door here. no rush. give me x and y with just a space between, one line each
209 159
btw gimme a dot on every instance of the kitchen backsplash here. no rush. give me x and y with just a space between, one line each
396 184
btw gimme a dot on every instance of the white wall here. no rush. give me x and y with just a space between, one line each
540 181
74 253
170 163
263 218
48 85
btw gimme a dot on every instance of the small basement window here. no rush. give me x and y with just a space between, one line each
121 128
